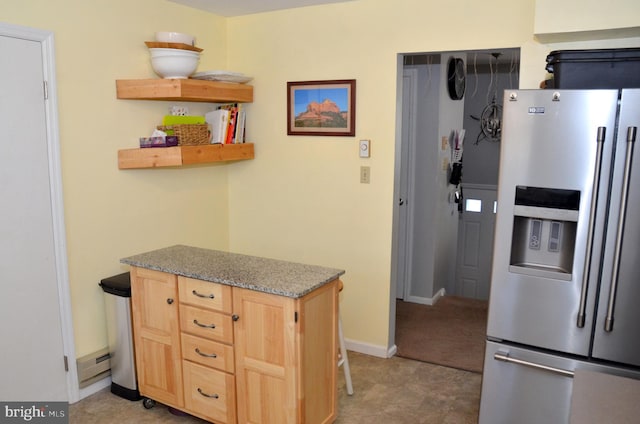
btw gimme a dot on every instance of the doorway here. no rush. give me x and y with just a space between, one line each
434 234
40 363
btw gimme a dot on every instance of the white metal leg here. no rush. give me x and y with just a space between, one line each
344 359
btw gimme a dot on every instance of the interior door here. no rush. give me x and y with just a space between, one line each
33 355
404 226
475 241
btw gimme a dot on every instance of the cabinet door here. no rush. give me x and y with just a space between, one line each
266 357
154 299
286 356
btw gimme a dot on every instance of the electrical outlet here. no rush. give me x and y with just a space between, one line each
365 174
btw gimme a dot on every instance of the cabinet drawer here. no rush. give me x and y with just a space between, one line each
205 294
209 393
207 352
205 323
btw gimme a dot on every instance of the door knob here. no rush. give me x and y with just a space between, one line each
401 202
169 301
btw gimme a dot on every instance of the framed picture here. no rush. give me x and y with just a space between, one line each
321 108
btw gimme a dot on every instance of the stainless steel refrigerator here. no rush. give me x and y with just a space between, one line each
565 287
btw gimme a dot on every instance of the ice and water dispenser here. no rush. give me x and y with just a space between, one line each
544 232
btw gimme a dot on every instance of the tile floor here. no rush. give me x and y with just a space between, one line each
387 391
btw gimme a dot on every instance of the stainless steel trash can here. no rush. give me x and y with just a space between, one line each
117 291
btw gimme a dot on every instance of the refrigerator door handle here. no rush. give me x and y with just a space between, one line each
592 222
504 357
631 138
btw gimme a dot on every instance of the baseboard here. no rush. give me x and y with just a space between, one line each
95 387
392 351
426 300
370 349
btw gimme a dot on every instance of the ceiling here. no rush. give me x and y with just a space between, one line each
230 8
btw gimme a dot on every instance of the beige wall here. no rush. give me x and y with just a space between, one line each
559 17
300 199
109 213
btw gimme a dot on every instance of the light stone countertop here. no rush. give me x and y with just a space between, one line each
273 276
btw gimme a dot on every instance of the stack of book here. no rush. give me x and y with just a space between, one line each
227 123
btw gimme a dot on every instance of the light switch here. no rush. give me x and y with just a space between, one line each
364 148
365 175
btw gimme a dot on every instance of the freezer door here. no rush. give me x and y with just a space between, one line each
617 330
530 387
513 393
550 152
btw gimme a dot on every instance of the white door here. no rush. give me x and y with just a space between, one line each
32 366
404 216
475 241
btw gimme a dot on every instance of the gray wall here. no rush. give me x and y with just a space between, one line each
435 219
481 160
435 223
425 159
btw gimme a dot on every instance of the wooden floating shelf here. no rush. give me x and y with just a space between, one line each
158 157
190 90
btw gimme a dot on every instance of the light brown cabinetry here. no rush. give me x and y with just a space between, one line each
243 355
157 335
286 356
207 350
186 90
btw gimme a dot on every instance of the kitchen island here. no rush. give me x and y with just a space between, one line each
235 338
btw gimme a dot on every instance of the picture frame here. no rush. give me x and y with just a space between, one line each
325 108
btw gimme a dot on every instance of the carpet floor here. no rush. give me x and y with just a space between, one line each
450 333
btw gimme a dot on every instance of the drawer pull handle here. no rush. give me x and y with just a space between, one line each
504 357
214 396
206 355
206 296
212 326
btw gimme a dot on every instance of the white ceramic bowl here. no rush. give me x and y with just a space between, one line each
174 63
175 37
